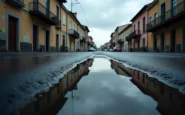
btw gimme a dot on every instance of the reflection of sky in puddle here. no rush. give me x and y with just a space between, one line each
100 64
103 92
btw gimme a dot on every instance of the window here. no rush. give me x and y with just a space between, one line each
143 78
64 19
57 11
144 25
174 7
150 19
139 25
138 75
171 95
155 18
70 25
154 83
144 42
162 89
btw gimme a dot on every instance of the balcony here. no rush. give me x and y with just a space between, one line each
73 33
58 26
120 41
173 15
88 43
42 13
62 1
82 39
16 3
135 34
128 38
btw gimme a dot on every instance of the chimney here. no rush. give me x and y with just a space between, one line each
75 14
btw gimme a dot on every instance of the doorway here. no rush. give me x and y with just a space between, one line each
183 39
172 40
162 42
163 11
138 44
35 38
155 43
63 42
12 34
47 40
57 42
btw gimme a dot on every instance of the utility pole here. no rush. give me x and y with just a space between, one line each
73 3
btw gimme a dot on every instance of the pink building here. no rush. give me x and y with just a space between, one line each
138 41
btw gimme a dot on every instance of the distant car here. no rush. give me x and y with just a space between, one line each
110 50
105 50
117 49
91 49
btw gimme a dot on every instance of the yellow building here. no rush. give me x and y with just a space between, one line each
123 35
86 37
30 25
75 30
166 26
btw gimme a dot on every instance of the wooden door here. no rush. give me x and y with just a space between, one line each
35 38
162 42
47 40
173 41
183 39
12 34
57 42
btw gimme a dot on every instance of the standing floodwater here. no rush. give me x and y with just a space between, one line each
103 92
105 87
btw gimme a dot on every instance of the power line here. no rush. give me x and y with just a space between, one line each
84 12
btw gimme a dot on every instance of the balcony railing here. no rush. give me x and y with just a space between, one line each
43 13
73 33
172 15
16 3
135 33
82 39
58 26
62 1
128 38
120 41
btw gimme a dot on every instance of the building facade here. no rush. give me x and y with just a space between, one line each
38 26
166 26
138 37
25 27
123 35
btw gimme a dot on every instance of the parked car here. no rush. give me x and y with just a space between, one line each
117 49
91 49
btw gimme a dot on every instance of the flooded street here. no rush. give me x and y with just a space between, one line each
105 87
103 92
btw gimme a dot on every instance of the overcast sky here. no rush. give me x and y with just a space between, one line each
103 16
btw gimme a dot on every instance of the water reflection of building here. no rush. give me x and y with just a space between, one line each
120 69
90 62
170 101
49 103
